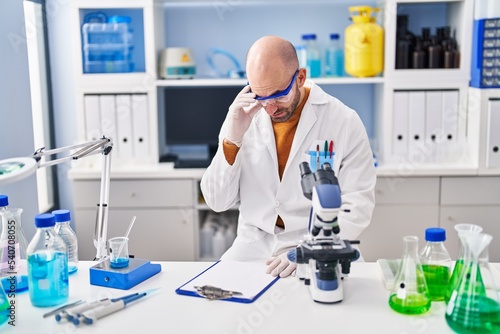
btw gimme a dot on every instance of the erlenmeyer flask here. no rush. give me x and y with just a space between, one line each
472 308
470 228
409 294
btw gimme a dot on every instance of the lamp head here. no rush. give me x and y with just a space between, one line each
15 169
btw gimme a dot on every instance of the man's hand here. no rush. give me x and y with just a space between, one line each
240 114
280 265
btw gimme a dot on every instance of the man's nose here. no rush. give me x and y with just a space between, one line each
270 109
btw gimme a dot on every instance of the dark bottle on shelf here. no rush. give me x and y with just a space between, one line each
449 56
419 55
404 43
435 54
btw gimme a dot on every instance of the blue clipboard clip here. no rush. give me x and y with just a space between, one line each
213 293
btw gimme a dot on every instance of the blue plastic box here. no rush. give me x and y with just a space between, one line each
485 67
107 44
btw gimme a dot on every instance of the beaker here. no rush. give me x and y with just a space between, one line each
410 294
472 308
469 228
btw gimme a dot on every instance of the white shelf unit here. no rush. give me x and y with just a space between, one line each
457 13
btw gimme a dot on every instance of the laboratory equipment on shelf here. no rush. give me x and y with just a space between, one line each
323 258
409 294
436 262
313 55
472 308
364 43
334 57
459 263
64 230
47 264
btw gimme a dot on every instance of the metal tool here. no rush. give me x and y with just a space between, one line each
213 293
59 309
323 257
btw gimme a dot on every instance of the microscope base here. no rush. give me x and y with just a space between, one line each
136 272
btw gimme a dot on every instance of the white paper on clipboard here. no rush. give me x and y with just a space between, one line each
249 278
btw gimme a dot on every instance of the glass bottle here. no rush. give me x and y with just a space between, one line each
472 308
64 230
436 263
313 55
459 263
47 264
409 294
12 245
334 57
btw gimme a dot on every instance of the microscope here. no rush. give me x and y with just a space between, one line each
323 259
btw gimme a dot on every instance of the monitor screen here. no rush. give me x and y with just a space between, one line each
194 115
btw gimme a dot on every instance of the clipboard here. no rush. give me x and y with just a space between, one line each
248 278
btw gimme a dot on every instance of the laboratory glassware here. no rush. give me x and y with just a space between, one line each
64 230
4 307
313 55
472 308
409 294
47 264
436 262
459 263
334 57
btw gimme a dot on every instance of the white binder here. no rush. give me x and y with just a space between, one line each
108 116
416 127
493 134
433 120
140 125
450 115
400 124
124 140
92 117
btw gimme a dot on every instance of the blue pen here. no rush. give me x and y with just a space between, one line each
326 148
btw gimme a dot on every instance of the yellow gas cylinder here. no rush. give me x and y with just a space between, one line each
364 43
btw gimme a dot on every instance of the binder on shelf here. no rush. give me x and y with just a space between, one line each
493 135
450 115
92 117
140 125
433 119
108 116
400 123
416 125
124 141
248 279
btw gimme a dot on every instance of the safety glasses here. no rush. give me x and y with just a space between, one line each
282 97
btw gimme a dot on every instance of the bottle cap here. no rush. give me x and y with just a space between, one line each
45 220
62 215
334 36
309 36
4 200
435 234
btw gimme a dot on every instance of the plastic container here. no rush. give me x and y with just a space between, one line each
64 230
47 264
313 55
436 263
334 57
364 43
107 44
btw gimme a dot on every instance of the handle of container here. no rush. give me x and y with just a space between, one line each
364 10
97 17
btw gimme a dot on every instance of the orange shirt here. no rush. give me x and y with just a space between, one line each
283 134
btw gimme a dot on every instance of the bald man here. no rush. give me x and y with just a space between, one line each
267 133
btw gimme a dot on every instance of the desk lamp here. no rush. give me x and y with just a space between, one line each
15 169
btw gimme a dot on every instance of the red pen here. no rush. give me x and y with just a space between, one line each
331 148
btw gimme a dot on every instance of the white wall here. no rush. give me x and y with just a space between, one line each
16 128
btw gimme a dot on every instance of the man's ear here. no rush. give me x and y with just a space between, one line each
301 77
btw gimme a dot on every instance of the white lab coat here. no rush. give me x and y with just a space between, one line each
253 181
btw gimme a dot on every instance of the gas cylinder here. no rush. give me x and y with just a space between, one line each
364 43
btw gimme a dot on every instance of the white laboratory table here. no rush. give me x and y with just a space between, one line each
285 308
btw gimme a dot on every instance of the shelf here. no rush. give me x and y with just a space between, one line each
242 82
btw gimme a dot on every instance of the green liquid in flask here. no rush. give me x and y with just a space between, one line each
480 315
415 303
438 279
4 306
455 276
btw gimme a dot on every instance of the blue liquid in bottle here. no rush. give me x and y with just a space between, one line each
48 278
